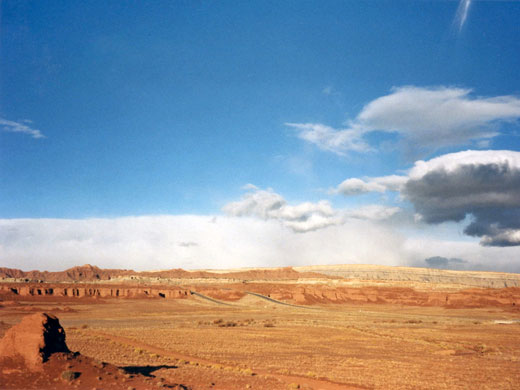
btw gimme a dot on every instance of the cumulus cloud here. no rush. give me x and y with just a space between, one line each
482 185
20 127
267 204
427 118
303 217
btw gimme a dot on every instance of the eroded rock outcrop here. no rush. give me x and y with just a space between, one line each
89 291
33 340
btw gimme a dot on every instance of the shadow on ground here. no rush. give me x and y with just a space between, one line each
145 370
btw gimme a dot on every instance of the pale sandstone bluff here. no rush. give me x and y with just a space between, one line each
33 340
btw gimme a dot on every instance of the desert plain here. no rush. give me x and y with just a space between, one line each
330 327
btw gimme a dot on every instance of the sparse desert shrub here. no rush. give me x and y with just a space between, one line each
292 386
84 326
154 355
311 374
482 348
69 375
413 321
247 371
228 324
268 325
219 321
138 350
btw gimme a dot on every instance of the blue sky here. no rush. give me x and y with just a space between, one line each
168 109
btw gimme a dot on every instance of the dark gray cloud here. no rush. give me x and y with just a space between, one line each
482 184
445 263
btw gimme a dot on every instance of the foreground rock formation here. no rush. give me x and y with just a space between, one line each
34 340
34 355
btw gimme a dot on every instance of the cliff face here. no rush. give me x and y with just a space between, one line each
92 291
509 297
298 294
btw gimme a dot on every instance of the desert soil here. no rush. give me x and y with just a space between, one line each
254 343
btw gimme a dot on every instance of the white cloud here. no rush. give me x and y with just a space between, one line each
330 139
328 90
267 204
373 212
439 117
303 217
17 127
355 186
452 162
425 118
462 13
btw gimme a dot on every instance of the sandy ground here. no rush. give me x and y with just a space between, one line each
253 343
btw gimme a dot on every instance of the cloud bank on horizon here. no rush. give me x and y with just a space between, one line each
206 242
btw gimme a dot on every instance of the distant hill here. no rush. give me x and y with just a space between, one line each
90 273
419 275
349 272
85 272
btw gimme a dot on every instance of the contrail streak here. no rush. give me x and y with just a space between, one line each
462 13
